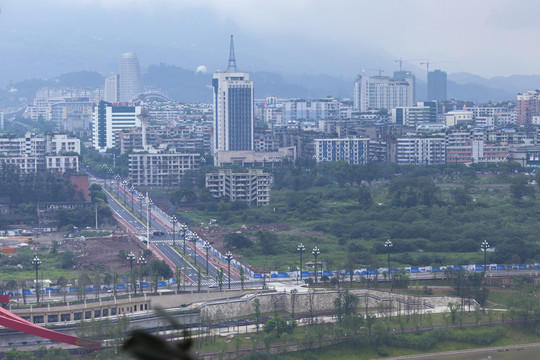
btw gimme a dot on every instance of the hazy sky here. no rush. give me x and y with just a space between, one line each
338 37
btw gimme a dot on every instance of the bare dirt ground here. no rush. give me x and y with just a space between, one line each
101 254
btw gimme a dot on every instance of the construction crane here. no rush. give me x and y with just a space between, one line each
402 60
380 70
427 62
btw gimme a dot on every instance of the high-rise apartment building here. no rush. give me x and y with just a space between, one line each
437 86
382 92
351 150
110 118
406 75
130 77
528 105
112 89
233 108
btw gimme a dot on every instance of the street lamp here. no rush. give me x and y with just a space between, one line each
117 178
228 258
132 191
316 253
131 258
36 262
111 172
183 228
301 249
388 244
174 220
141 261
149 212
484 246
183 282
124 190
193 240
207 247
140 197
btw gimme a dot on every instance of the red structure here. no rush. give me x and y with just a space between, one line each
80 182
12 321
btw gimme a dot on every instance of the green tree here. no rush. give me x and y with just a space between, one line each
257 309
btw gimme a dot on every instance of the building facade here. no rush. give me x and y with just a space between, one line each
161 168
382 92
528 105
421 151
252 187
233 111
130 79
437 85
110 118
351 150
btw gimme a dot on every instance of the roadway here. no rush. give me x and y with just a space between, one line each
164 243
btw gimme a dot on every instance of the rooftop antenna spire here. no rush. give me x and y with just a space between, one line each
232 60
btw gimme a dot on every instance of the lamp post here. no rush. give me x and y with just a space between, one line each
124 190
484 246
193 240
149 212
174 220
131 258
388 244
110 173
315 253
228 258
36 262
183 282
301 249
456 157
140 197
117 178
141 261
207 247
184 229
148 219
132 191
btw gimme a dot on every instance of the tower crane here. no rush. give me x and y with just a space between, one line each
402 60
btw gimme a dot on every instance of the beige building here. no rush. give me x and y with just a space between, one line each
160 167
252 187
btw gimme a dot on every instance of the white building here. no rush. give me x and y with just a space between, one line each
112 89
252 187
421 151
322 109
110 118
457 117
60 144
351 150
382 92
62 164
161 168
233 111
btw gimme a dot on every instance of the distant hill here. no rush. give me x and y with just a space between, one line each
188 86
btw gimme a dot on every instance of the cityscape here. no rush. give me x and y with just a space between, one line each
151 212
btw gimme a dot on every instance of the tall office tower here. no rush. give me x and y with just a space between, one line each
436 86
130 77
108 119
233 108
382 92
112 89
409 77
528 105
